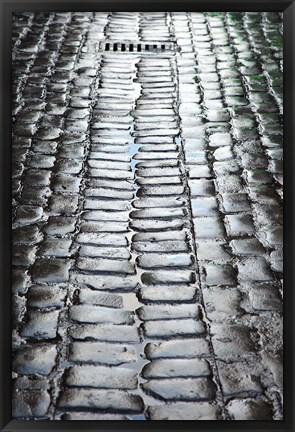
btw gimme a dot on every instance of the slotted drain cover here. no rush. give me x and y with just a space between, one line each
144 47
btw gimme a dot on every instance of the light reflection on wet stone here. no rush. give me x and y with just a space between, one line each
147 216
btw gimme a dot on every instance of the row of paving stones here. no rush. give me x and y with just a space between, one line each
55 72
235 204
179 373
105 263
136 174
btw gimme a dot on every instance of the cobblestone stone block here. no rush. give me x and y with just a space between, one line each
270 328
209 227
166 294
228 183
160 191
153 313
110 174
189 389
156 213
96 204
234 203
35 359
106 282
69 166
240 379
165 246
97 298
265 297
105 216
222 303
219 274
26 214
102 239
166 277
73 151
273 236
35 195
212 250
49 270
101 376
41 325
200 172
63 204
108 193
157 225
161 236
105 265
223 153
160 171
204 206
23 256
43 296
60 226
30 403
99 352
268 214
106 400
96 314
247 247
249 409
183 411
239 225
153 260
176 368
254 269
66 183
105 332
232 342
221 168
220 139
175 328
42 161
55 247
201 187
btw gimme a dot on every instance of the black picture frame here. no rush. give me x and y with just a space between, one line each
288 9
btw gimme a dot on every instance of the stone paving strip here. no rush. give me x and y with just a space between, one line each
147 216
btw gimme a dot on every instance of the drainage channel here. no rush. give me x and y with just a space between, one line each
142 47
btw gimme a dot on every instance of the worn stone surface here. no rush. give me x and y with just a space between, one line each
147 216
181 389
101 377
99 352
184 411
30 403
35 359
249 409
106 400
176 368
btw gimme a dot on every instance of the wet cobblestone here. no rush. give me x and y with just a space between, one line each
147 217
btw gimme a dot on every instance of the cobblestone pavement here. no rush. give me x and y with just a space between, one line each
147 216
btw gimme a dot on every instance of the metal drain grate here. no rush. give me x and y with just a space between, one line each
137 47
